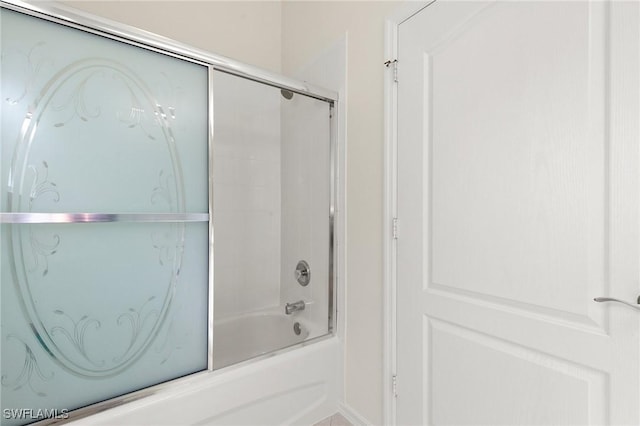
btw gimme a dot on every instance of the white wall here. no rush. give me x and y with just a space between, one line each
309 28
248 31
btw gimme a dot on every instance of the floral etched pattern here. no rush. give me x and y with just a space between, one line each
32 66
77 104
137 318
137 114
162 190
26 375
77 335
40 186
41 252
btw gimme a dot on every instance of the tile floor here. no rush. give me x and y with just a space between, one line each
335 420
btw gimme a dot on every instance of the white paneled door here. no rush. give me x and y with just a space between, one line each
518 204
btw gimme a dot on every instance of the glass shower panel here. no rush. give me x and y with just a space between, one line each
272 201
306 209
96 130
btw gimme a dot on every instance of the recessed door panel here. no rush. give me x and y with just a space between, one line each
517 145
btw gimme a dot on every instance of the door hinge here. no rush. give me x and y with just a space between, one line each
394 384
394 64
394 228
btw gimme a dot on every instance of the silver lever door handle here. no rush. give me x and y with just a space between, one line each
611 299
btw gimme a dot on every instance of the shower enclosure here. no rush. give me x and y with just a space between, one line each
271 213
164 212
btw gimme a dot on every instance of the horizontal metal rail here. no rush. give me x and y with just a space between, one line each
101 217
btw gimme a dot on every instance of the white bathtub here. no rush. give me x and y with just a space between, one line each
244 337
297 387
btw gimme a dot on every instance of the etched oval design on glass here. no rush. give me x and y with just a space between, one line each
106 133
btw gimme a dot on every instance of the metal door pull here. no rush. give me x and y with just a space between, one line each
611 299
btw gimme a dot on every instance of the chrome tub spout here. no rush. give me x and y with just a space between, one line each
290 308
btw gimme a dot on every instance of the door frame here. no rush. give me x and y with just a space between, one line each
390 226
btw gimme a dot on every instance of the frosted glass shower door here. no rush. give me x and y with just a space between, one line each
104 207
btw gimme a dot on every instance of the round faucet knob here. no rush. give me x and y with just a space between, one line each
302 273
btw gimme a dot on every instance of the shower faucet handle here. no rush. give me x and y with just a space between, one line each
611 299
303 273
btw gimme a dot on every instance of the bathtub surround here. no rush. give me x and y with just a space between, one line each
272 211
288 46
292 398
277 36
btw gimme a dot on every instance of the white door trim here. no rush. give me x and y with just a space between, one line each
390 208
